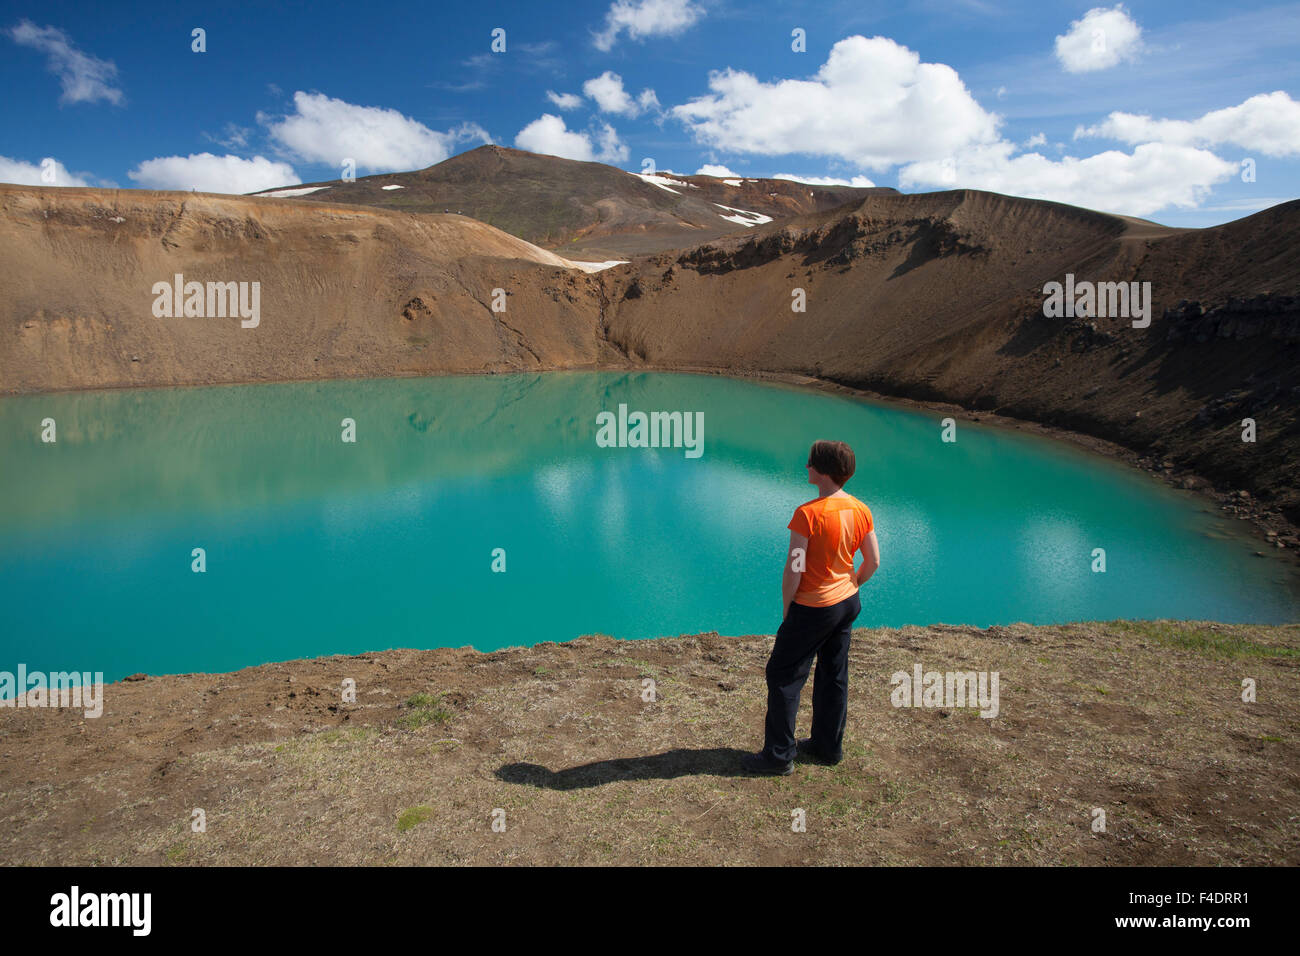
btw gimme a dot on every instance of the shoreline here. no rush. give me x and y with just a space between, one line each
1272 531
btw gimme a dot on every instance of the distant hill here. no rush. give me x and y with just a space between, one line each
586 210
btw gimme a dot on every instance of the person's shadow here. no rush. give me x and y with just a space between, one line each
717 761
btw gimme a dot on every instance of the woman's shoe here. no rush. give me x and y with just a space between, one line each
762 763
806 749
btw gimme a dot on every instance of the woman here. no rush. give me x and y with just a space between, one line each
819 603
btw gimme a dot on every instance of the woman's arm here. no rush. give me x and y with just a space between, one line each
870 558
795 556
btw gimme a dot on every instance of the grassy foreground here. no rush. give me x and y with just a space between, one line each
1142 720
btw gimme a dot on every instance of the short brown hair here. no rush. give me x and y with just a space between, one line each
834 459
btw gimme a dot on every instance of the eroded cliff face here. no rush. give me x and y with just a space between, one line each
940 297
933 297
342 292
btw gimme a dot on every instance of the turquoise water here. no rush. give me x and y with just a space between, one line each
315 546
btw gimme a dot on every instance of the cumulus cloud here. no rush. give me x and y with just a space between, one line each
612 149
85 78
607 90
214 174
646 18
610 97
1153 176
1101 39
548 134
873 103
48 172
723 172
1268 123
565 101
717 172
862 182
326 130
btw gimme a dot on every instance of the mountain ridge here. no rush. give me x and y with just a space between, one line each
590 209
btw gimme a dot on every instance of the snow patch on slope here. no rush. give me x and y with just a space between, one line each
663 182
598 266
744 216
282 193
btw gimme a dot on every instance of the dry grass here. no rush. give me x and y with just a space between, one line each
1143 720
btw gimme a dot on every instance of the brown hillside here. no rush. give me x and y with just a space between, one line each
345 291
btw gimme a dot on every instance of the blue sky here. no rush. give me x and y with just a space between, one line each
1145 109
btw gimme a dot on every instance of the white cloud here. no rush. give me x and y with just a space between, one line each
85 78
612 149
326 130
872 103
565 101
862 182
548 134
30 174
1268 123
1101 39
213 174
607 90
1153 176
723 172
646 18
610 97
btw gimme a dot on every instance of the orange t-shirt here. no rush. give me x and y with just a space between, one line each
835 528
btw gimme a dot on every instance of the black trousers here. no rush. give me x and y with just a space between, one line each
808 632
